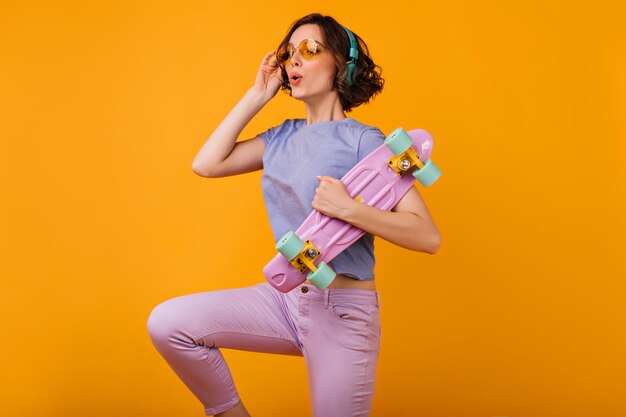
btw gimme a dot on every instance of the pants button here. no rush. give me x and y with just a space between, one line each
304 290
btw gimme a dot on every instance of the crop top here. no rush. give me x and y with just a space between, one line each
295 153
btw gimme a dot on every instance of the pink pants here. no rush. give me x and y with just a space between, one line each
337 331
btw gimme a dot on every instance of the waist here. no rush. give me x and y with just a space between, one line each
343 281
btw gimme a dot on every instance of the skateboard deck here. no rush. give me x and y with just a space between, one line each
379 180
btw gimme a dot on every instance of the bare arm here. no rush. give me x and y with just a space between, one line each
221 154
408 224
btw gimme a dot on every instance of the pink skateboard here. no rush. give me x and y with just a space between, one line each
380 180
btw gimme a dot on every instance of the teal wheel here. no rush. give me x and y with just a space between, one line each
398 141
322 277
289 245
428 174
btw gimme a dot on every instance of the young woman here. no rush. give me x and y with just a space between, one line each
337 330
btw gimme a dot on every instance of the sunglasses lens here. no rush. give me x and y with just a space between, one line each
308 48
282 55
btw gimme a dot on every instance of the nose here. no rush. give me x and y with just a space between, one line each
296 59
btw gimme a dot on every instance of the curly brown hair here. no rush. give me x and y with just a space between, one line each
367 77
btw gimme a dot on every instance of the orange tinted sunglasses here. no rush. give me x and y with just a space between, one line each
309 49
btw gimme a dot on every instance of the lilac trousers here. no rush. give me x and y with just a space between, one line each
336 330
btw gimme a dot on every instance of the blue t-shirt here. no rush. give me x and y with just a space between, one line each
295 153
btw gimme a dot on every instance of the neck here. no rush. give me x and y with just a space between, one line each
326 109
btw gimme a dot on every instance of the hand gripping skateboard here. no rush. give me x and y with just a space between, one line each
380 180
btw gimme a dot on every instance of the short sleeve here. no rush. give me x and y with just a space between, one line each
270 134
371 139
267 135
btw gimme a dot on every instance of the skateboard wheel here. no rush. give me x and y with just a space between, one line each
322 277
428 174
289 245
398 141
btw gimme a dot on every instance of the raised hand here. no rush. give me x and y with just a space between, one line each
269 77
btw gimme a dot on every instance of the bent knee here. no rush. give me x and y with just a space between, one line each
161 323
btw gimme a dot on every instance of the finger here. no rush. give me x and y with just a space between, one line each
327 178
267 56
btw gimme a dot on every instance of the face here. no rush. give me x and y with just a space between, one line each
317 72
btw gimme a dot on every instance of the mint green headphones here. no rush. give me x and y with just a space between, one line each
354 55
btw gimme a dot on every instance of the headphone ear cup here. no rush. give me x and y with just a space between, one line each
349 72
354 55
352 70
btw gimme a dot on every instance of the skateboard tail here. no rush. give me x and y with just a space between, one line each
423 144
281 275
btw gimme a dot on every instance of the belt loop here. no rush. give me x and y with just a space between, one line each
326 298
377 299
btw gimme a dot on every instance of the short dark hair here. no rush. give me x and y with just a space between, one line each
367 77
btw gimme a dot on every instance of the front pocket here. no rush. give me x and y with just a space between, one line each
353 312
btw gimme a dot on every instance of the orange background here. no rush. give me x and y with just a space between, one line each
105 104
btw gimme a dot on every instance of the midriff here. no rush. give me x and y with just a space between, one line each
343 281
